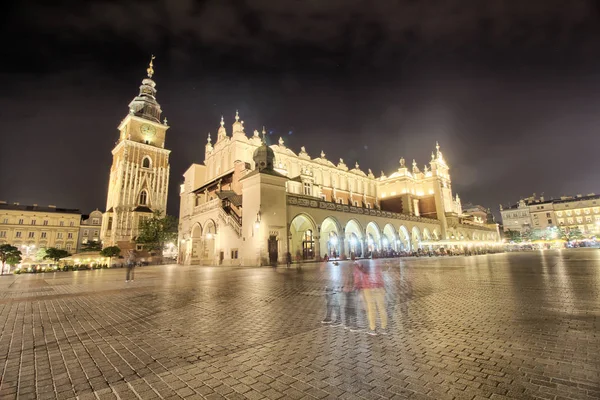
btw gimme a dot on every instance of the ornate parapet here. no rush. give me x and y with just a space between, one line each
327 205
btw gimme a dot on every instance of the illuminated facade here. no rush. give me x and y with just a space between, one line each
581 212
32 227
89 230
249 204
139 175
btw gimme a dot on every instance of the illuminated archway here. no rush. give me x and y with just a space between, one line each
195 245
354 238
209 238
330 240
373 237
404 238
303 231
416 238
390 239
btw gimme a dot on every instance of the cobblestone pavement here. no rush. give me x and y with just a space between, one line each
520 325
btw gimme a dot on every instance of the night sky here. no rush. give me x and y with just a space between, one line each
510 89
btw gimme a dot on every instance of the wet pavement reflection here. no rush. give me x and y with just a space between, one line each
518 325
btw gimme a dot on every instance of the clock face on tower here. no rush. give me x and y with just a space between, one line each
148 130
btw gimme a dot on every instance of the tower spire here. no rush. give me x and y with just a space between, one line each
144 105
150 69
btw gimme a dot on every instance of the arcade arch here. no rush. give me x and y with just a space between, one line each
303 231
416 238
390 238
354 238
404 238
373 237
331 237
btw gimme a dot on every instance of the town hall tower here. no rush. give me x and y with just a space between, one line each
139 175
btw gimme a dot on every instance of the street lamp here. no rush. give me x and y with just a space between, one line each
257 223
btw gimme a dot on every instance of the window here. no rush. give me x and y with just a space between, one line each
570 221
68 247
143 197
62 223
31 235
146 162
43 235
59 235
339 201
2 234
95 221
45 222
5 221
559 213
579 220
577 212
306 189
139 247
588 219
234 254
547 215
18 234
109 225
96 233
33 222
323 197
569 213
58 246
85 232
21 221
587 211
368 205
69 235
549 222
71 223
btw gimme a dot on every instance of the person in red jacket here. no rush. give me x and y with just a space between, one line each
369 280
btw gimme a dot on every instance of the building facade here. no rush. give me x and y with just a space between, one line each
31 227
568 212
139 175
89 229
251 204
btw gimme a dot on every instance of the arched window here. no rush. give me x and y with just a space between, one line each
143 198
146 163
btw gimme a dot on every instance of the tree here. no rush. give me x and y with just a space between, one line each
572 234
110 252
55 254
154 232
9 254
93 245
41 254
513 236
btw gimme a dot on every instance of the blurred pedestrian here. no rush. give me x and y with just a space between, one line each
131 259
333 306
373 294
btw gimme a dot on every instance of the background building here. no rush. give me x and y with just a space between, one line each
89 230
568 212
139 175
250 203
32 227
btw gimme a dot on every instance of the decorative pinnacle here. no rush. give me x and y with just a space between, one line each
356 165
237 115
222 121
437 146
150 69
322 154
208 140
264 132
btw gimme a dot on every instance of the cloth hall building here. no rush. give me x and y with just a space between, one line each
250 204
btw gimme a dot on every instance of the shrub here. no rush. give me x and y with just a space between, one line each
17 271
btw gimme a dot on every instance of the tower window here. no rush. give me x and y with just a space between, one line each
143 198
146 162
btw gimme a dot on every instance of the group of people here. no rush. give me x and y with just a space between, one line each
363 286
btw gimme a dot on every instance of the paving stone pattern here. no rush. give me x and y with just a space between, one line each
516 325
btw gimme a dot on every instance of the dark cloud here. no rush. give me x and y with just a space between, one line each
508 87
